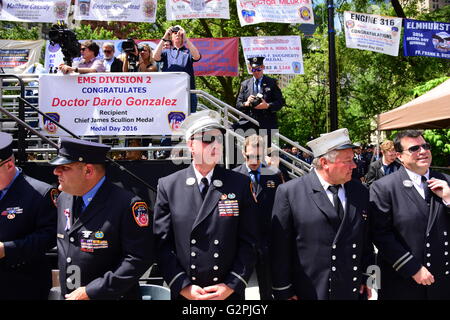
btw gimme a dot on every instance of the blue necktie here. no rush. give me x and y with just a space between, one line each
256 88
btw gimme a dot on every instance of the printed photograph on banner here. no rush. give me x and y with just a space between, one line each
34 10
118 10
426 38
372 32
197 9
282 54
277 11
114 103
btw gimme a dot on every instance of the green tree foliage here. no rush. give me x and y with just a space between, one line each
18 31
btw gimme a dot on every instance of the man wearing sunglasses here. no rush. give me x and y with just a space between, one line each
110 62
260 98
265 182
27 230
89 62
411 224
205 220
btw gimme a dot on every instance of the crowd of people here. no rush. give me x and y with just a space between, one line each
312 237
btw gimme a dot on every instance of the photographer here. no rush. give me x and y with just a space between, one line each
180 56
89 62
260 98
143 53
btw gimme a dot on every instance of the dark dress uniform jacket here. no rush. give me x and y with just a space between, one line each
117 65
267 118
314 256
376 170
27 234
112 270
408 235
265 191
196 242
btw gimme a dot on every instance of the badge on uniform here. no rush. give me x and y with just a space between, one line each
67 215
140 213
270 184
228 208
11 213
89 245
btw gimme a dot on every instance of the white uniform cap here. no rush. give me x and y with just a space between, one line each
200 122
335 140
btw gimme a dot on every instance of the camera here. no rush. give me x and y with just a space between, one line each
257 100
67 40
128 46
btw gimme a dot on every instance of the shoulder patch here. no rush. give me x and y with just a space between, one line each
140 213
54 193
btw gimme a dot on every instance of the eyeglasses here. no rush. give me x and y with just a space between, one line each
425 146
107 51
5 162
256 69
208 139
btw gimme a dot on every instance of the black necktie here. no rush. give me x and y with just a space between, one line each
336 201
426 190
256 89
205 186
77 207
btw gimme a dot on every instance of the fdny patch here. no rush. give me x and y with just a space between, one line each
140 213
54 193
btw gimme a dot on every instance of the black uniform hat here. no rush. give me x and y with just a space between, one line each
76 150
6 150
256 61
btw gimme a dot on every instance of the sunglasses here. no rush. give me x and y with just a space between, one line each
82 49
208 139
107 51
256 69
5 162
425 146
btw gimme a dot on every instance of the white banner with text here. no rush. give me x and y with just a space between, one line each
114 104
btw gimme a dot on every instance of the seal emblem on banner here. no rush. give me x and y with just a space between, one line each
49 126
305 14
175 119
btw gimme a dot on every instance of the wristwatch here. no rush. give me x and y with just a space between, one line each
76 70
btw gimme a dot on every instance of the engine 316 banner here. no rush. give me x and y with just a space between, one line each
114 104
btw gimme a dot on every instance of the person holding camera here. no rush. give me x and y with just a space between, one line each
143 53
260 98
180 56
89 62
111 63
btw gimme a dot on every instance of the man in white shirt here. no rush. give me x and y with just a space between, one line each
411 224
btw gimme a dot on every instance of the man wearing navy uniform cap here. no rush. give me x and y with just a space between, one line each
320 228
104 235
264 110
27 230
205 220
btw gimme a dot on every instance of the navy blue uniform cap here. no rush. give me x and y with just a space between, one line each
256 61
77 150
6 150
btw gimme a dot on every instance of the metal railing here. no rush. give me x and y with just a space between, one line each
13 87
